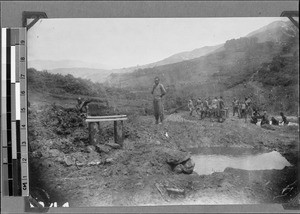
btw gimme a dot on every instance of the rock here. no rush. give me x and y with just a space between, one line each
92 163
36 154
114 145
54 152
175 157
80 164
175 191
109 160
69 161
188 166
103 148
78 157
178 169
60 159
90 148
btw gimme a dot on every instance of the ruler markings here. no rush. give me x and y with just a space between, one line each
18 137
13 64
10 187
17 63
9 165
14 140
13 102
4 155
18 101
4 138
5 189
14 113
4 150
23 134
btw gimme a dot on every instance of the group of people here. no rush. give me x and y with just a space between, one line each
212 108
242 107
265 119
207 107
246 107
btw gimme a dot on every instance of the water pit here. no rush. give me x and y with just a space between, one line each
214 160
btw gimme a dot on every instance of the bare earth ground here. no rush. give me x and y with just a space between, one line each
138 174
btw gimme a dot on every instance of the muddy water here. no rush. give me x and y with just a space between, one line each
216 162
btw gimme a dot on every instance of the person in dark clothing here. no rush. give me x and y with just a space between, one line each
284 119
82 104
265 119
235 106
221 106
255 116
243 110
253 119
274 121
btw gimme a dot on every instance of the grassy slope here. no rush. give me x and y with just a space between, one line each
268 71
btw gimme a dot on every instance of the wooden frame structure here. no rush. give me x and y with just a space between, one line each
94 127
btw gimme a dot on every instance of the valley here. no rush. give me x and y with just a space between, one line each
174 163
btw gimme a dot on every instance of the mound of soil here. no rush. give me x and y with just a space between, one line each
142 171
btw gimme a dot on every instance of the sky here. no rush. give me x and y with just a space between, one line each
126 42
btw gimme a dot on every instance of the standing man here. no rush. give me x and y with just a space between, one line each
221 108
158 91
191 107
215 105
248 103
243 110
235 105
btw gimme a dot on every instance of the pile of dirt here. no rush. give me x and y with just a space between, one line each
153 166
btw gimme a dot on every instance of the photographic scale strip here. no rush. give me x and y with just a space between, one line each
14 143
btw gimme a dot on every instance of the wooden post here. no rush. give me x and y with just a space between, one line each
94 128
118 132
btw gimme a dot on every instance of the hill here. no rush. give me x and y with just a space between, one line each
95 75
274 32
99 72
54 64
229 70
183 56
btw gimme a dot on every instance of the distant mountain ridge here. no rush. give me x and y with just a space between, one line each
98 72
265 65
186 55
84 73
232 64
55 64
272 32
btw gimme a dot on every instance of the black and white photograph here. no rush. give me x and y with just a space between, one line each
163 111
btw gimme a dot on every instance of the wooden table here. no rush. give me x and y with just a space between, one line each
94 127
